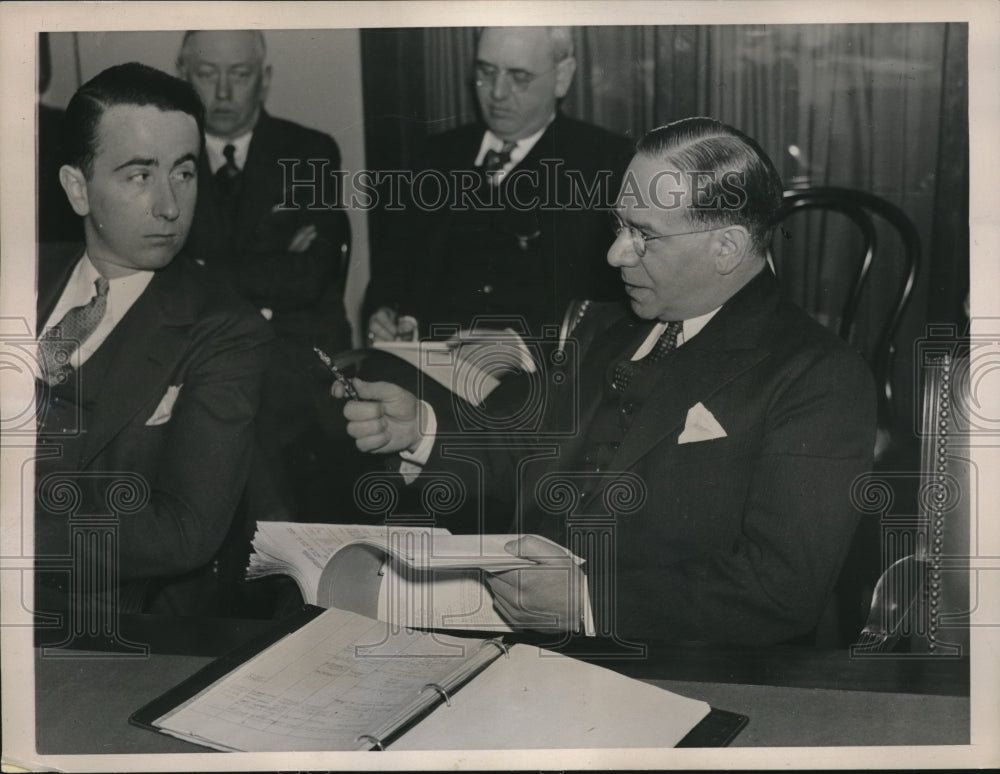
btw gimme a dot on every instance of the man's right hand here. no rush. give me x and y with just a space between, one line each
387 325
385 420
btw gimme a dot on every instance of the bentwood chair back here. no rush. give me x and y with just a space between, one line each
834 262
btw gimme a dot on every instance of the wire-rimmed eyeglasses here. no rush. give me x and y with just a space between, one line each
519 80
639 238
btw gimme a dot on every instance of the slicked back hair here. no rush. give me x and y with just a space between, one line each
736 180
126 84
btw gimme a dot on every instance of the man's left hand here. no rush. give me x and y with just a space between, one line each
548 597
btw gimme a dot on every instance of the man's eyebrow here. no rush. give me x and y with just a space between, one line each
185 158
137 162
640 223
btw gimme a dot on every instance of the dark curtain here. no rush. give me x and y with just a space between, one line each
878 107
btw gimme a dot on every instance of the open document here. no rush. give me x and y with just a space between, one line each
418 577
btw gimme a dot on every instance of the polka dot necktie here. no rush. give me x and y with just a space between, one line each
61 340
495 160
624 372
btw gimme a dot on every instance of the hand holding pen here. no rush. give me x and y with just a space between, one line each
381 417
337 374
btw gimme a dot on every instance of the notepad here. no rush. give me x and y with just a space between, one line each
442 363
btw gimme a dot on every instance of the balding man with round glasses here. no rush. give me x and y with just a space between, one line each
521 230
715 430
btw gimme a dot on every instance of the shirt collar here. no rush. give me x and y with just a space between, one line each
122 291
214 147
690 329
518 152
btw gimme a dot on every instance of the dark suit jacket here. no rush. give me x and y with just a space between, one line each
303 290
737 539
186 332
454 262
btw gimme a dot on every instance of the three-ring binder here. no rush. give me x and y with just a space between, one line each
500 644
441 691
373 739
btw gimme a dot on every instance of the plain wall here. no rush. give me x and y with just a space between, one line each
316 82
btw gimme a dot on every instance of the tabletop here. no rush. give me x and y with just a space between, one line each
793 696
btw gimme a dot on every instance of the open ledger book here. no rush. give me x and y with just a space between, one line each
346 682
417 577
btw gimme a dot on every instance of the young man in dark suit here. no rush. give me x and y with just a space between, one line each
278 242
520 227
149 370
718 428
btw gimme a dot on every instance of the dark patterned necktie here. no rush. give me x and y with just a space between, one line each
61 340
227 174
495 160
624 372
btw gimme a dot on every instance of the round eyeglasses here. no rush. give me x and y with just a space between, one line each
519 80
640 238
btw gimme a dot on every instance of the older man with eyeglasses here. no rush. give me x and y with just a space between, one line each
702 451
519 231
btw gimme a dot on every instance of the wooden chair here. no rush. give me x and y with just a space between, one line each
850 259
830 282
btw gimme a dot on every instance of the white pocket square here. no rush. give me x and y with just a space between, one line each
700 425
166 406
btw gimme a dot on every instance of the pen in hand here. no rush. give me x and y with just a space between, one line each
328 362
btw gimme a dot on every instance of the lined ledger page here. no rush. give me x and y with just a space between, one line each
325 686
539 699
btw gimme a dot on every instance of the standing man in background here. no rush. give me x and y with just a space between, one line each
535 238
281 246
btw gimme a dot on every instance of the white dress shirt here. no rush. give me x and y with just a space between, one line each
215 147
521 149
690 329
122 293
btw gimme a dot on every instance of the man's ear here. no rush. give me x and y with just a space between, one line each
265 83
74 183
564 76
731 246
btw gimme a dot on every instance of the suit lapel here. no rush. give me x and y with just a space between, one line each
692 374
726 348
150 341
55 265
256 187
545 148
618 342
